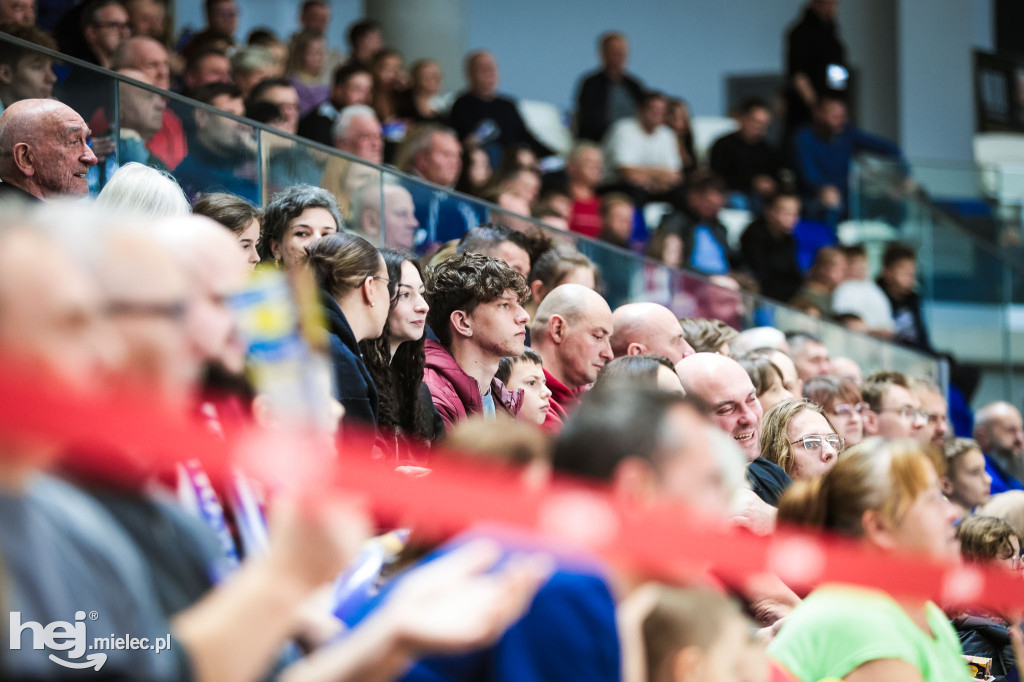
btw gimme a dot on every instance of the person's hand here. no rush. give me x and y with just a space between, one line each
830 196
753 513
453 604
311 542
764 185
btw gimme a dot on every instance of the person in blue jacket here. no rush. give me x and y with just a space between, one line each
822 152
1000 433
626 437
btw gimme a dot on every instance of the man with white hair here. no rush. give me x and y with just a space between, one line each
1000 434
572 333
357 131
395 223
727 390
648 328
44 151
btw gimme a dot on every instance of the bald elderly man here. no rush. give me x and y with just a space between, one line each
44 151
572 332
648 328
1000 433
727 390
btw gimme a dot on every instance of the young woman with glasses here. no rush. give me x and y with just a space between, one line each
798 436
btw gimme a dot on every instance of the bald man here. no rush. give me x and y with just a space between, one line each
141 119
44 151
1000 433
727 390
572 333
397 220
150 57
216 269
648 328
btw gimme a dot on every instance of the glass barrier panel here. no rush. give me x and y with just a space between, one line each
223 155
93 96
285 162
208 151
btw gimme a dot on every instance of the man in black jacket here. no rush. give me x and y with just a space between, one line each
899 282
608 94
485 117
769 249
747 163
815 62
353 84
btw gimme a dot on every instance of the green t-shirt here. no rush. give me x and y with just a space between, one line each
837 629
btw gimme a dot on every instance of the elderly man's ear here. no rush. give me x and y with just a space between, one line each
23 158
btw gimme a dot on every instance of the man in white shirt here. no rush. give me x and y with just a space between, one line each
862 297
642 155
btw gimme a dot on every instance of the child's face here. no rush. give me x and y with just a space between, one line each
536 396
735 655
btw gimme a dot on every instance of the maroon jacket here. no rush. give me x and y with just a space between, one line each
455 393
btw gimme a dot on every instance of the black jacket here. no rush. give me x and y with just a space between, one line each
984 637
353 385
906 313
469 111
592 104
772 261
9 192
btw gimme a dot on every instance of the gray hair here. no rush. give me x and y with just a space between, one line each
143 192
252 58
343 121
287 205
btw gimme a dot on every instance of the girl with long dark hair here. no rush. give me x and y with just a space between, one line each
396 359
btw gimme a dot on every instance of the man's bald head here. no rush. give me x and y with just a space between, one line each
725 386
44 149
999 430
50 309
572 332
648 328
147 296
216 269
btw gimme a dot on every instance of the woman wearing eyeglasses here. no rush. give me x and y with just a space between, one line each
842 402
353 281
886 495
796 435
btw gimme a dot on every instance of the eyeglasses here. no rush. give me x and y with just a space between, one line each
907 412
814 443
845 410
936 418
116 25
173 310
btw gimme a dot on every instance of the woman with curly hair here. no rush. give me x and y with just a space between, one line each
396 358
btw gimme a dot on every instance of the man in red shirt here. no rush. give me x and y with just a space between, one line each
572 333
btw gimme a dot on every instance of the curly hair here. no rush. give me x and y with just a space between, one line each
463 282
398 378
286 206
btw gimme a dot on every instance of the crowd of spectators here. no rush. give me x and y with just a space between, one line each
444 329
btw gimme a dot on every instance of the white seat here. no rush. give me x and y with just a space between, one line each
545 122
707 129
735 221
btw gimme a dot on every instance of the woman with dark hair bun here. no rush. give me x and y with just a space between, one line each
353 283
396 358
